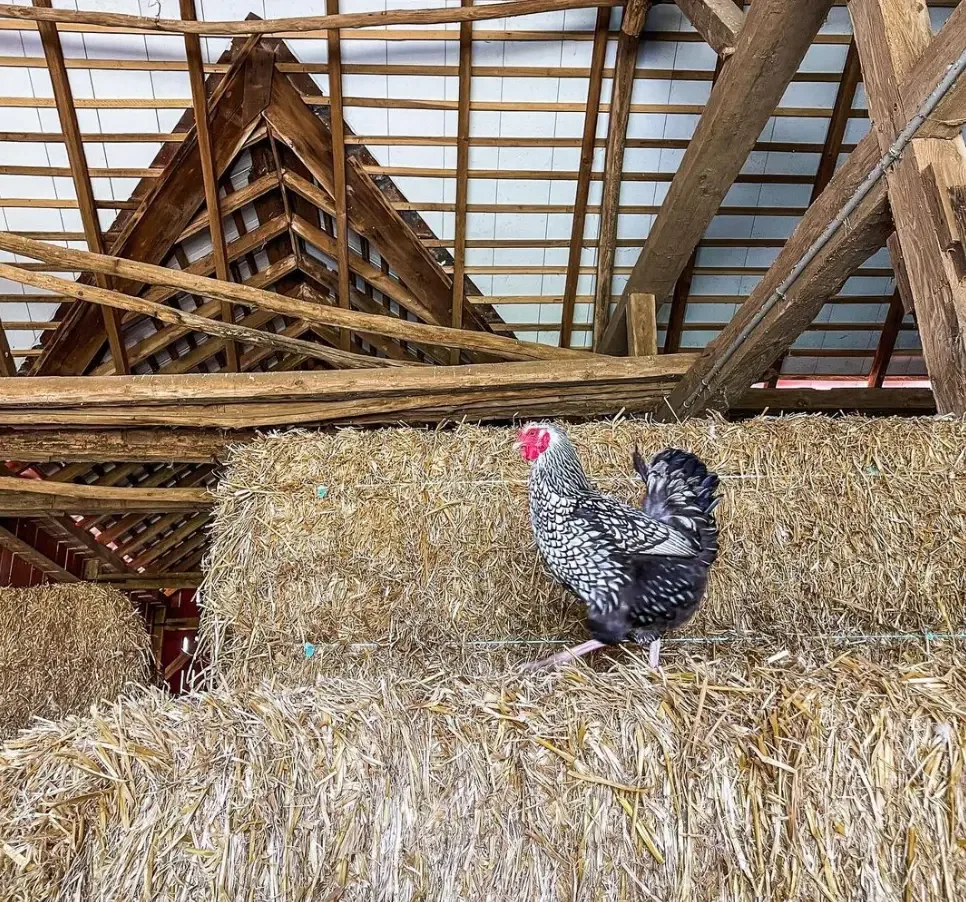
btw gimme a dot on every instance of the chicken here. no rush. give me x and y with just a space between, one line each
639 571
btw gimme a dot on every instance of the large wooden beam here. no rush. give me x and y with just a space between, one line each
918 401
717 21
866 232
188 580
590 386
77 159
299 24
32 497
370 213
199 103
164 212
767 55
891 35
282 305
625 65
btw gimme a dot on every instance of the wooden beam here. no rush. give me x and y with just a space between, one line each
891 36
32 556
284 306
191 321
7 366
199 103
587 145
622 86
425 394
370 212
168 205
887 342
189 580
641 325
64 100
30 497
462 181
171 540
834 400
299 24
337 128
767 55
717 21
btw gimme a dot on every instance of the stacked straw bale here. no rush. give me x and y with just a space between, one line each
736 780
64 647
420 551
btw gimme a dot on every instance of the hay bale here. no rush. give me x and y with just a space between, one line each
64 647
733 780
830 527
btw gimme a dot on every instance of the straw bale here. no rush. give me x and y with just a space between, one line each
421 552
727 780
64 647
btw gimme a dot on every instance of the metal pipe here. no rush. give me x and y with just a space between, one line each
888 159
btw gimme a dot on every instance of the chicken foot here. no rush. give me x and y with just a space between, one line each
571 654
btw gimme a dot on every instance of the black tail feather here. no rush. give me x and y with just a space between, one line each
678 485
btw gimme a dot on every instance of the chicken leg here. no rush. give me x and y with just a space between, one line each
566 656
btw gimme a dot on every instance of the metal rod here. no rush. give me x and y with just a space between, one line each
888 159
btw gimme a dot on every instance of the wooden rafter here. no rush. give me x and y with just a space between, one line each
767 55
891 35
587 145
12 542
834 139
622 86
462 180
64 99
32 497
641 325
887 342
199 103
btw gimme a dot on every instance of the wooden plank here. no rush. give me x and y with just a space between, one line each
887 342
641 325
891 35
26 497
110 445
586 164
767 55
120 22
64 100
462 168
284 306
32 556
371 214
171 540
90 542
191 321
199 103
167 207
717 21
628 43
337 128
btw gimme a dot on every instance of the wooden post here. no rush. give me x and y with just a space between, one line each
891 35
199 102
587 143
7 366
337 126
64 100
887 342
628 43
641 325
462 171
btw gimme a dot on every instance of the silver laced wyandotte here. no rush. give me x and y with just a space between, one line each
640 571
